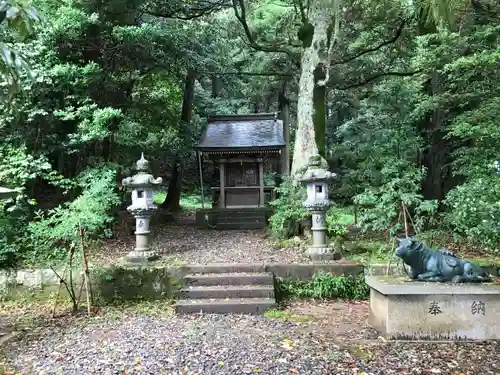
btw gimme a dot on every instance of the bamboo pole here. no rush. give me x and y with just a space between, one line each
61 281
88 290
411 220
405 220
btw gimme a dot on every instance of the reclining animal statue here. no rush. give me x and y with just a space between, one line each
437 265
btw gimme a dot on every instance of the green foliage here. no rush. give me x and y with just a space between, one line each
382 206
188 202
338 221
270 178
19 170
108 86
474 206
324 285
383 149
54 231
475 211
17 21
288 210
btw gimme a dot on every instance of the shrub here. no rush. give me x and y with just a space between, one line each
19 170
324 285
338 221
56 230
475 211
288 210
382 206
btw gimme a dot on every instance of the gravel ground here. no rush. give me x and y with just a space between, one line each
307 338
188 245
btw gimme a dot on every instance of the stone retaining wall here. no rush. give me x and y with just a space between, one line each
159 282
125 283
149 279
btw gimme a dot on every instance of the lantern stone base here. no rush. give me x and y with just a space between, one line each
404 309
141 256
322 253
142 252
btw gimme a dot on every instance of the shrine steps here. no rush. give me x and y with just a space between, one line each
233 218
251 306
241 219
220 290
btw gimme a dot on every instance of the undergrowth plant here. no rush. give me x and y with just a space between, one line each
288 210
324 285
337 221
64 232
54 230
19 170
387 207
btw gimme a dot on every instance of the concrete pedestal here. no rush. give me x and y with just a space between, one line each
142 252
404 309
319 249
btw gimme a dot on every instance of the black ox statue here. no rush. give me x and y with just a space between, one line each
438 265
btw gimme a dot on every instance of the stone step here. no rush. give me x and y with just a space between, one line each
228 291
231 220
242 214
254 306
226 268
240 225
211 279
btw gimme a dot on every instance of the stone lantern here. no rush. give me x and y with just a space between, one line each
142 208
316 180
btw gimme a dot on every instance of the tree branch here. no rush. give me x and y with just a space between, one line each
377 76
333 41
399 32
240 12
186 12
302 11
252 74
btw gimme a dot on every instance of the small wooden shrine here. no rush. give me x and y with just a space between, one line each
243 148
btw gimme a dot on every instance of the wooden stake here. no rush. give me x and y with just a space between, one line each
411 220
391 258
80 291
404 219
59 287
88 290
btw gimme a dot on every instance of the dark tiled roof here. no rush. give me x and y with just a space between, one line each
242 132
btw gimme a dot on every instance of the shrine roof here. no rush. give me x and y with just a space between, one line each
262 131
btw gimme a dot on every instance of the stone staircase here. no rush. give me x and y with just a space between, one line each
227 289
241 219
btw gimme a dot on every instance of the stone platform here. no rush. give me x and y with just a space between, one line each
405 309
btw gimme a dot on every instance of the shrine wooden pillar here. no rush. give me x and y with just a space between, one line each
261 182
222 173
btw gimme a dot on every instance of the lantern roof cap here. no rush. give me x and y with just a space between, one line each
142 179
142 165
315 172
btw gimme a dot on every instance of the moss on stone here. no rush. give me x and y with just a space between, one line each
138 283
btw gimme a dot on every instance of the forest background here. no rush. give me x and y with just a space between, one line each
401 98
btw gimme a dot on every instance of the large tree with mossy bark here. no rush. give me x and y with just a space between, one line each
319 27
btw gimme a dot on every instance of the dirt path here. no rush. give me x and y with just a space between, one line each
309 338
186 244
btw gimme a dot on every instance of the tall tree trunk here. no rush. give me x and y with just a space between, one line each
215 86
311 115
284 107
172 201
